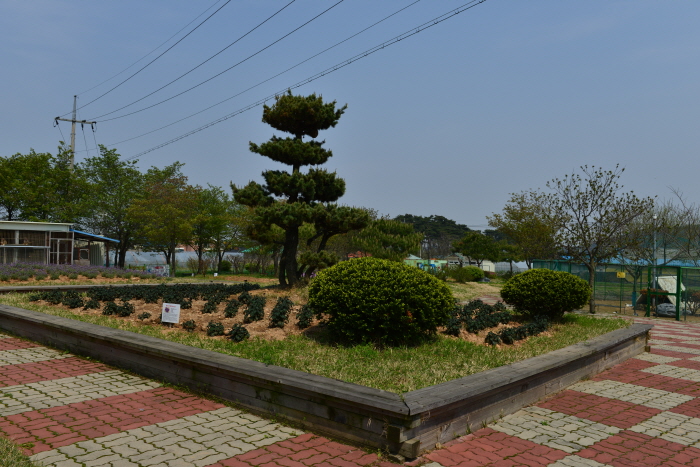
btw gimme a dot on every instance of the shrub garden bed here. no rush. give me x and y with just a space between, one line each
395 369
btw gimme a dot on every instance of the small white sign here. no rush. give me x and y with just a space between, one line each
170 313
216 274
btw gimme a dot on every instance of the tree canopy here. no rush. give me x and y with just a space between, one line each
438 233
592 216
525 223
388 239
289 200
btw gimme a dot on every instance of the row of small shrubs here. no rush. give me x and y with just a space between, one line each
255 310
476 316
466 274
461 274
368 300
511 335
170 293
41 271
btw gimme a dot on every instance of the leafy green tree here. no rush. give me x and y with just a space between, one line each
438 233
115 184
210 221
508 252
237 219
593 216
16 181
41 187
524 223
288 200
165 211
388 239
478 247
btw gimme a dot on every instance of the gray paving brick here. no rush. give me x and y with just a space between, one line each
58 392
556 430
655 398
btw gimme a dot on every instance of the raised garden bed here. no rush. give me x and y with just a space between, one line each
393 369
406 424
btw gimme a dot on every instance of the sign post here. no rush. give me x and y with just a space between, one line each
170 313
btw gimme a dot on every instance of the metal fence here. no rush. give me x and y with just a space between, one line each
664 291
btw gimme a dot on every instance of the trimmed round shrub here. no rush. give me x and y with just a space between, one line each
371 300
466 274
541 292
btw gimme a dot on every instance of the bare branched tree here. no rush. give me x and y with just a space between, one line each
593 216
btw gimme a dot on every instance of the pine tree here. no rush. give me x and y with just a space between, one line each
288 200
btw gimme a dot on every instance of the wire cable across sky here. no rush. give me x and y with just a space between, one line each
151 52
271 77
216 75
149 63
412 32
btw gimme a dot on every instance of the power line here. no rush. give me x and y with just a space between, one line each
97 146
166 51
85 139
213 77
268 79
149 53
428 24
192 69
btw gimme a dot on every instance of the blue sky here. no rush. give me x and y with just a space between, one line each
498 99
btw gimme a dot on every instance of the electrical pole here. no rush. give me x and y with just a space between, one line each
72 133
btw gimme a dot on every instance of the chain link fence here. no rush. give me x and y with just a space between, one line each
629 289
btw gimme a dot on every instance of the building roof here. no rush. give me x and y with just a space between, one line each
94 237
40 226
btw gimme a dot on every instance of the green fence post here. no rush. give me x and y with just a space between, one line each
679 278
648 312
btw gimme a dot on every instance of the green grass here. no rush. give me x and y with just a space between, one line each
397 370
11 455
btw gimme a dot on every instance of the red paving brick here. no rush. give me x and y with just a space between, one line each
683 345
304 451
12 343
671 353
629 448
26 373
649 380
690 408
690 364
631 366
599 409
60 426
488 447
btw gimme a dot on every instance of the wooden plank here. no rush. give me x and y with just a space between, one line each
429 398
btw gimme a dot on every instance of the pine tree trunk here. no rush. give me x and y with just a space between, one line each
289 256
591 283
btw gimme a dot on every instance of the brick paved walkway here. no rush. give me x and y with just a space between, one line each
70 412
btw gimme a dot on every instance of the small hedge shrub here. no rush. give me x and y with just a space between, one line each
371 300
541 292
255 310
466 274
305 317
215 328
189 325
238 333
280 313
